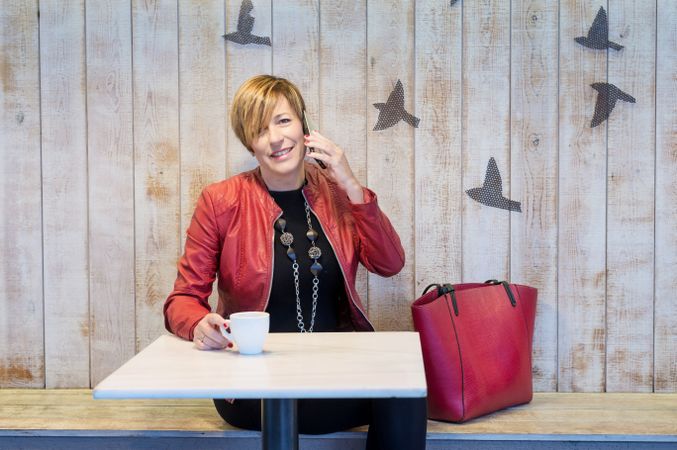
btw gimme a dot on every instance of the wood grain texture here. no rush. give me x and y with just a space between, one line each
581 261
111 186
342 87
292 365
114 116
64 186
597 415
44 411
76 409
486 134
534 149
296 47
630 188
438 142
665 327
390 162
156 152
21 286
243 62
202 103
201 100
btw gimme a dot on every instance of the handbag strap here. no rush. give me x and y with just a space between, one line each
448 288
506 286
443 289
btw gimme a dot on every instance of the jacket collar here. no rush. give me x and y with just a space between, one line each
309 189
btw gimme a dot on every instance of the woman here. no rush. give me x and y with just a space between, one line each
286 238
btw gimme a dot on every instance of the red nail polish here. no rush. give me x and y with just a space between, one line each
230 345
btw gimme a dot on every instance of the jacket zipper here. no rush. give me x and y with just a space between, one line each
272 263
345 280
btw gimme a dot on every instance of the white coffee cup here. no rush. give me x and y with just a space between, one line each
248 330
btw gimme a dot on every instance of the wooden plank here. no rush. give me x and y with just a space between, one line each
201 100
64 187
111 186
439 190
533 257
665 327
589 416
582 207
630 199
486 128
343 78
243 62
390 162
21 305
156 150
202 103
593 415
296 48
76 409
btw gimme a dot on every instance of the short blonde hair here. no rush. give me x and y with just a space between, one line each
254 102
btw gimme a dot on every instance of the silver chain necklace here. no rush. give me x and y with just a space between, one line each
314 253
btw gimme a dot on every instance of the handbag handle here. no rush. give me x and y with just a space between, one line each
506 286
448 288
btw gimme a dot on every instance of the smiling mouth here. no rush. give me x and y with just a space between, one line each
281 152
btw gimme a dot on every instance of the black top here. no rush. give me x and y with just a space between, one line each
282 304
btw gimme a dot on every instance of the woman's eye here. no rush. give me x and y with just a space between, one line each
285 120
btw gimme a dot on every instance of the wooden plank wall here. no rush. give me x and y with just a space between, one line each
533 165
631 168
64 202
665 338
115 116
156 158
22 350
581 215
390 49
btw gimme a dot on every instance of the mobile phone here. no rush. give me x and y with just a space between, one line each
306 130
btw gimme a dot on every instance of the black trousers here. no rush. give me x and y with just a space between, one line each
394 423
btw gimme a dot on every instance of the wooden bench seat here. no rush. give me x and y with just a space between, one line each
50 418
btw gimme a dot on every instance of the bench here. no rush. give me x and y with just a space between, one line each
72 419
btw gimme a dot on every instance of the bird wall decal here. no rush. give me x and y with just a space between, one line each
392 111
491 192
598 34
245 25
607 95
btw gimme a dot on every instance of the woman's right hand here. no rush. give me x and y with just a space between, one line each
207 335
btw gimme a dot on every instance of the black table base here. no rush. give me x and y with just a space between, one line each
279 424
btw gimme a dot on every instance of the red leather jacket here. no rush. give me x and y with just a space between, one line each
231 233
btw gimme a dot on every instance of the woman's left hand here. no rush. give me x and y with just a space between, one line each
337 164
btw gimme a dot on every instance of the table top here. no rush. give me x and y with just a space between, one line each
292 365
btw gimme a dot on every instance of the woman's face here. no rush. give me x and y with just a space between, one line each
280 149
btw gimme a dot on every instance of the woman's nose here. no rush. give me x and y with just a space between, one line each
275 135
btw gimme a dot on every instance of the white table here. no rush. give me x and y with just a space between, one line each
292 366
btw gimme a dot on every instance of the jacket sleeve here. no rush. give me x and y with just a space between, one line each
380 248
188 302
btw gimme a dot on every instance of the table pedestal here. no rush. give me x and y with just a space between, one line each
279 424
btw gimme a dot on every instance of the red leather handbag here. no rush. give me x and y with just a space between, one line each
476 340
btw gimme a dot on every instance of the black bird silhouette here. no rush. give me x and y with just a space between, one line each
607 95
491 192
245 25
598 34
392 111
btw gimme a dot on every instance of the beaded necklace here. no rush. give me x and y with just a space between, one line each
287 239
